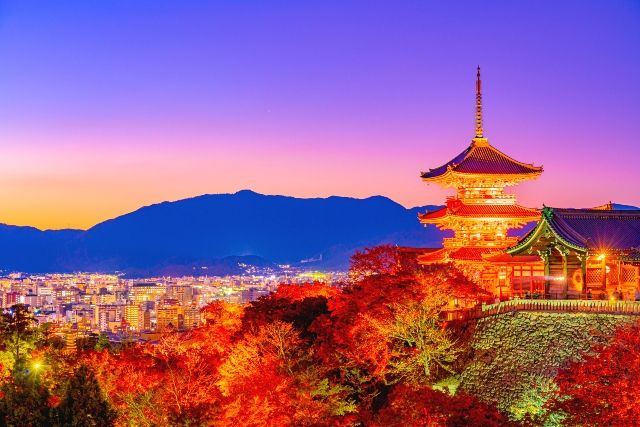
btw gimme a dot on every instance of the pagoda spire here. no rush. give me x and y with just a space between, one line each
479 132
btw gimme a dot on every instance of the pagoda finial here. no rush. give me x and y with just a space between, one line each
479 133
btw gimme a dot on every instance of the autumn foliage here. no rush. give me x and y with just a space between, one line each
369 352
602 389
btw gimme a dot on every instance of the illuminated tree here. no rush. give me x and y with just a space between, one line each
299 305
269 378
391 324
17 330
426 407
602 389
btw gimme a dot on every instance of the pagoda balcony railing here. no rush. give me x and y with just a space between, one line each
484 199
456 242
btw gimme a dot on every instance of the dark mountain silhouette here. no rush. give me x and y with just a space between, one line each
213 234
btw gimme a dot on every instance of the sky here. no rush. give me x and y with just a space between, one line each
107 106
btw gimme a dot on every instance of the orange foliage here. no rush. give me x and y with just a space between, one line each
298 292
307 354
354 330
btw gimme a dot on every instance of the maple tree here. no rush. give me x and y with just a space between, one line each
602 389
423 406
391 315
307 354
270 379
299 305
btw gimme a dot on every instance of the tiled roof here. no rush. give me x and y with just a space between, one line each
457 208
597 229
472 254
458 254
439 255
504 258
483 159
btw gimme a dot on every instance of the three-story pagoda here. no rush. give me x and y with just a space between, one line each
481 212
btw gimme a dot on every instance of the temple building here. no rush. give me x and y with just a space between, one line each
481 213
587 253
571 253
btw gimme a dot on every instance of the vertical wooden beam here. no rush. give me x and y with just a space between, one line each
545 255
583 267
565 272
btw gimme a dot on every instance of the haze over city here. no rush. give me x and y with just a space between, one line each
106 107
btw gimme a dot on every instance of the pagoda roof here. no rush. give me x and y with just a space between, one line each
458 254
505 258
481 158
588 229
457 208
432 257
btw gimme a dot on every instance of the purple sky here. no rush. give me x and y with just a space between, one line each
109 105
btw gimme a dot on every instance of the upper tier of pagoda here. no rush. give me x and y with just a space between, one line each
481 164
482 161
481 213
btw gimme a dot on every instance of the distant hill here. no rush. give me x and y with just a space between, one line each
618 206
218 231
213 234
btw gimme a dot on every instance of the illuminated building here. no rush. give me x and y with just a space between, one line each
10 298
183 293
141 292
133 316
108 317
481 213
191 317
169 314
586 252
71 341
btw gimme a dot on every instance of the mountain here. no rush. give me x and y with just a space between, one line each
618 207
34 250
217 233
213 233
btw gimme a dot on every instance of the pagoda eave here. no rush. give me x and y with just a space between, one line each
452 178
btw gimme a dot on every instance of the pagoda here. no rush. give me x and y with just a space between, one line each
481 213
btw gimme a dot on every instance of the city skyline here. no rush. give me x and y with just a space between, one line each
107 108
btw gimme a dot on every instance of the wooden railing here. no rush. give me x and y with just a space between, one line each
555 306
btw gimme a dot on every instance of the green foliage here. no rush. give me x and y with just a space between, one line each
333 393
531 407
421 346
83 403
18 333
24 401
517 355
448 385
103 343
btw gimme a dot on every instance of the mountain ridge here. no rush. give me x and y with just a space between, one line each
213 231
209 228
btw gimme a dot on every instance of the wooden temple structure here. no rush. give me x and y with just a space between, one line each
482 213
589 253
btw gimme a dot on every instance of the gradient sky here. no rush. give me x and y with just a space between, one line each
106 106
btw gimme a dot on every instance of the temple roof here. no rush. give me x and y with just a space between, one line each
457 208
482 158
589 229
504 258
457 254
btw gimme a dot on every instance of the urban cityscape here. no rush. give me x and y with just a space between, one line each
83 306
